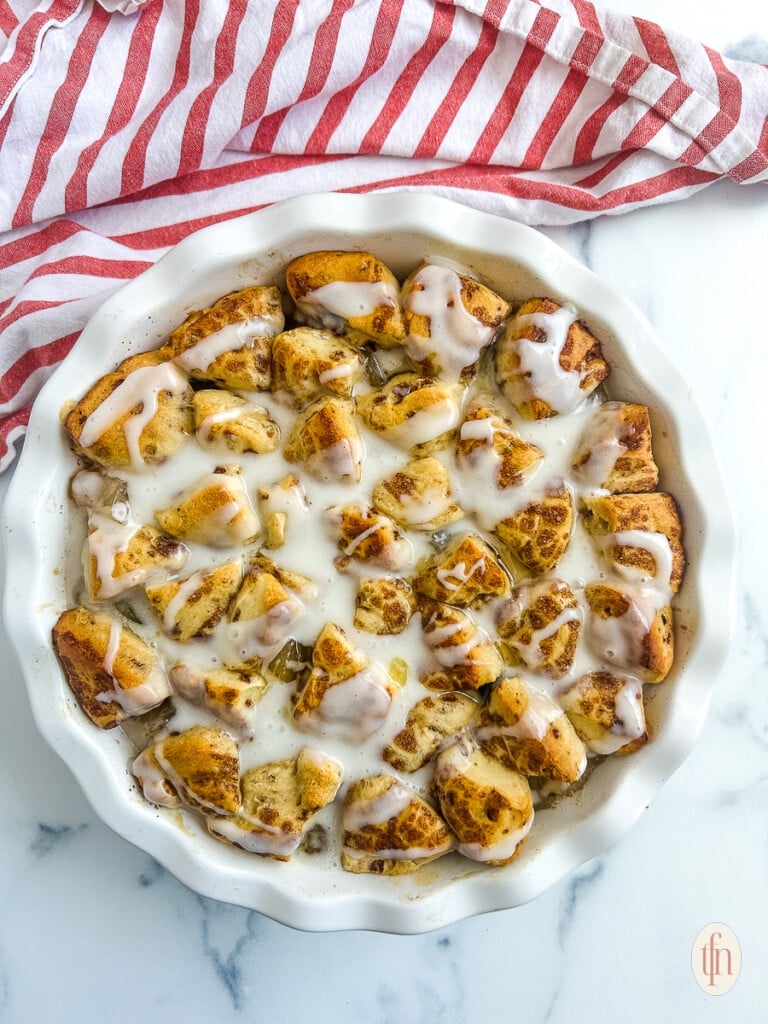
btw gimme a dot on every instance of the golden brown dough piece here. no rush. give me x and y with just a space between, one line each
111 671
231 693
291 580
466 656
631 629
192 607
229 343
547 362
487 439
307 362
214 510
539 533
625 524
199 767
282 506
262 613
430 722
140 414
487 805
369 538
418 496
541 622
120 556
450 318
349 293
614 453
607 712
412 411
326 439
468 570
343 694
279 801
388 829
226 422
383 605
525 729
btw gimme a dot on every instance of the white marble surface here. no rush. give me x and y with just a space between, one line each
92 929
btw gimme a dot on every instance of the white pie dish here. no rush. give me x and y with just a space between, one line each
400 228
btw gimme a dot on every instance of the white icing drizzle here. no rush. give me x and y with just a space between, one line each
187 794
531 652
136 700
234 521
141 388
260 838
619 640
455 577
335 373
152 781
375 811
354 708
113 644
540 374
658 546
426 424
539 714
418 510
503 849
203 432
456 337
346 300
340 461
395 556
600 446
404 853
186 589
263 635
629 717
231 338
450 655
105 541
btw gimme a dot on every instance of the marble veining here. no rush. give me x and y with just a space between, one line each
49 837
576 891
752 48
152 874
92 929
229 961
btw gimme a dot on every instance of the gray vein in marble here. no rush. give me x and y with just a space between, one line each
438 995
577 885
755 626
53 837
741 794
752 48
228 966
582 235
422 1005
151 874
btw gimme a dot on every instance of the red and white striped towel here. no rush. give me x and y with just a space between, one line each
127 124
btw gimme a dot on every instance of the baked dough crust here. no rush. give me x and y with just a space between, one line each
248 366
98 668
314 270
387 829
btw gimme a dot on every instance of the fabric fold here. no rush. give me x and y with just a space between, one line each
125 125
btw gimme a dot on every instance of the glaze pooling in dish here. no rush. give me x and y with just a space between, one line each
44 548
385 536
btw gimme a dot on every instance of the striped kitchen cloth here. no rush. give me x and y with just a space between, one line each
127 124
